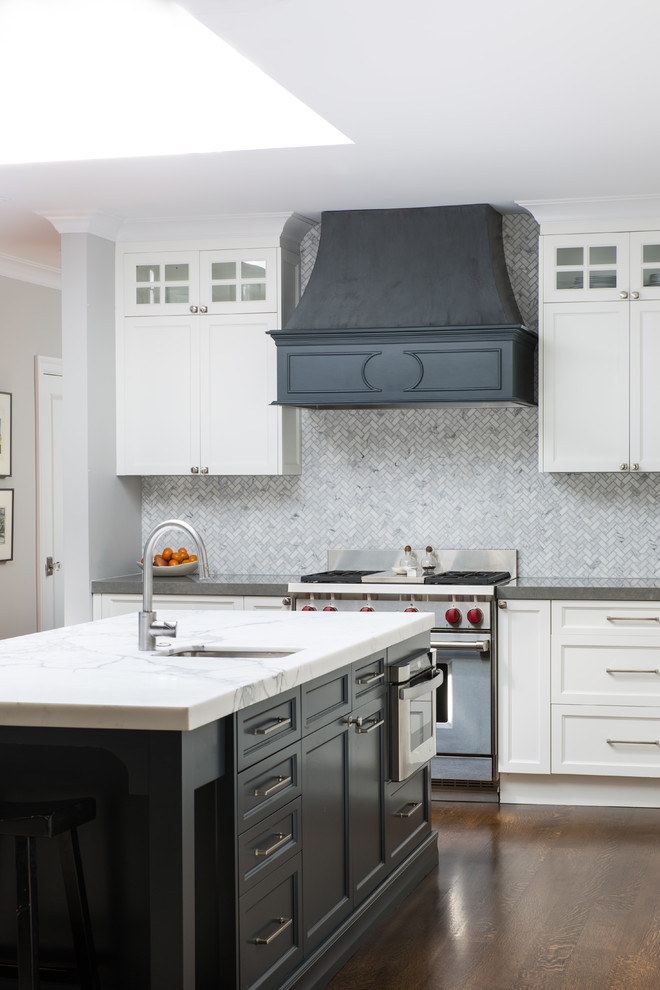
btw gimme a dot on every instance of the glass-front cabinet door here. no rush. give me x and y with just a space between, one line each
585 266
645 264
161 284
243 281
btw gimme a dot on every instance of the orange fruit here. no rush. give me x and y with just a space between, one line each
167 553
184 553
193 556
176 557
173 563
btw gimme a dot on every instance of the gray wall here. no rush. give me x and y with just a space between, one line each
30 324
452 477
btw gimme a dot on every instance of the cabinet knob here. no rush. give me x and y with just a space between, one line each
623 467
204 470
194 470
203 309
623 295
634 295
193 309
635 467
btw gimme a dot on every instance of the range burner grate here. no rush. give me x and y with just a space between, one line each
336 577
467 577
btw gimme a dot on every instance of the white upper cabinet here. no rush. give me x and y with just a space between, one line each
599 405
601 267
196 367
173 283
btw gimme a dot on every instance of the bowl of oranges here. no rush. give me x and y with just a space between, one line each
173 563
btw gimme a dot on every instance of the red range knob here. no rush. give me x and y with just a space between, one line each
329 608
366 608
308 608
411 608
475 615
452 615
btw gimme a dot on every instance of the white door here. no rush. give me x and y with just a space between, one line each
585 394
644 392
50 580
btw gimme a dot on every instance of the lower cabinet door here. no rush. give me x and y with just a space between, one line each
270 929
407 816
326 881
367 798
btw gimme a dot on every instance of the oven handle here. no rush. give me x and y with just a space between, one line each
479 647
417 690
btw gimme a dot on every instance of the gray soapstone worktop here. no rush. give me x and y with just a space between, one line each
582 589
193 584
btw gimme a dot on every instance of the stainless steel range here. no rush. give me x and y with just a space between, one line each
458 586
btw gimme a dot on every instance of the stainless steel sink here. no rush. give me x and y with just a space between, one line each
235 653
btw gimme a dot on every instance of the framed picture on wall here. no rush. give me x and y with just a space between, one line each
6 524
5 434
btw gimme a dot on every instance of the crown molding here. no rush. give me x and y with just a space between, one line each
635 211
270 228
30 271
83 222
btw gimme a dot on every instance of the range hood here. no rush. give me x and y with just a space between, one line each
409 307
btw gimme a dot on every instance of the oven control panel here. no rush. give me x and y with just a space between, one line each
463 615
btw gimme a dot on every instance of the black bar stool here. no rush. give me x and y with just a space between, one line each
31 820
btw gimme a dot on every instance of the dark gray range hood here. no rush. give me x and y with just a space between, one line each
407 307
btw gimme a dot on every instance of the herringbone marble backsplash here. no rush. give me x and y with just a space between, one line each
451 477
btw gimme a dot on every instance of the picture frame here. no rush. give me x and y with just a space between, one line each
6 524
5 434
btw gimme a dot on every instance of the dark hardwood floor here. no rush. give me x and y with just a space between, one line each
525 898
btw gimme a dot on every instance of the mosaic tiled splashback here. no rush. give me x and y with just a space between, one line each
451 477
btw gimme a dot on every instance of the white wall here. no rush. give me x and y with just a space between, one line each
102 525
30 324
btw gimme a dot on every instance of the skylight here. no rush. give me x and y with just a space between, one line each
95 79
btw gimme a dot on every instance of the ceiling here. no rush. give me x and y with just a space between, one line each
446 103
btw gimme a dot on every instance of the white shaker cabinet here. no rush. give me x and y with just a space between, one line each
196 369
524 686
107 605
600 348
193 397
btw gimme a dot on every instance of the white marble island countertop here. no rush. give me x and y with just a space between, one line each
94 676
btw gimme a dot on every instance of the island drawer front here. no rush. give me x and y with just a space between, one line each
368 677
270 929
325 699
600 671
266 727
623 742
407 815
268 786
614 618
265 846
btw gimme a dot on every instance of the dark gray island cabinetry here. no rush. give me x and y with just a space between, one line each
326 845
247 836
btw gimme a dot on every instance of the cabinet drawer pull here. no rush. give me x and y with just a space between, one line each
266 730
632 618
370 678
282 925
624 670
282 840
633 742
279 783
408 810
375 722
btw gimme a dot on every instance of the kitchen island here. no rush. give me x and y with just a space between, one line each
195 762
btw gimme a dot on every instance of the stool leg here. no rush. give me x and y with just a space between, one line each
76 896
27 913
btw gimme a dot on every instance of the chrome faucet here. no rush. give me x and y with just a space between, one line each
148 628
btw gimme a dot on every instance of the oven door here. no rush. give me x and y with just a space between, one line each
413 723
464 730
